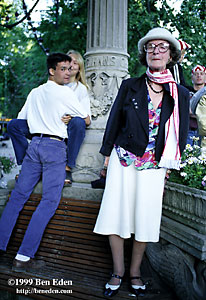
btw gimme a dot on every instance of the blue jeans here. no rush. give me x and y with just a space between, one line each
18 131
76 134
191 134
46 157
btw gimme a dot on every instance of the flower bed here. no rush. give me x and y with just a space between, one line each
192 171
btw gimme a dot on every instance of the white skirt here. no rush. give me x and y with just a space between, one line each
132 202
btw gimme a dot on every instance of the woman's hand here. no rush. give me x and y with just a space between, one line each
103 172
87 120
66 118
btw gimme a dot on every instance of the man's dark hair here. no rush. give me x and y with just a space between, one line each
55 58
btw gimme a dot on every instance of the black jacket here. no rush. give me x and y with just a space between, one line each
128 123
181 75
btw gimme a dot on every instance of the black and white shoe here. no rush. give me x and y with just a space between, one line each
111 290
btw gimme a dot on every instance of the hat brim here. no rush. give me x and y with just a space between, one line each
159 36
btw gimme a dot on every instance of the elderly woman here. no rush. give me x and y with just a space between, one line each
145 135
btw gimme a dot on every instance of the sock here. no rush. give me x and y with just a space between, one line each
22 257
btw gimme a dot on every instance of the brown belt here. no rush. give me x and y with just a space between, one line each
49 135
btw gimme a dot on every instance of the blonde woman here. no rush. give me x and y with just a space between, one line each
76 126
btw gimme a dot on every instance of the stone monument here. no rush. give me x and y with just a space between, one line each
106 64
180 256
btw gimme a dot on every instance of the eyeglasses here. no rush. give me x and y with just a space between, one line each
162 47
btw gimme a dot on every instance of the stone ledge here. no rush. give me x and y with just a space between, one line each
81 191
183 217
184 237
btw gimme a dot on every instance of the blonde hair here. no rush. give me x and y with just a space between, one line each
80 76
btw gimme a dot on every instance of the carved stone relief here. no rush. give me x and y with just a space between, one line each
104 74
103 90
119 62
184 273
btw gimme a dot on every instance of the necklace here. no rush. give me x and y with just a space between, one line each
157 92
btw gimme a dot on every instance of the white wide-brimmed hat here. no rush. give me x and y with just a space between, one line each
158 33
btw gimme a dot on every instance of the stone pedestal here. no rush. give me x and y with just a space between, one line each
185 274
106 65
89 160
180 257
184 219
106 59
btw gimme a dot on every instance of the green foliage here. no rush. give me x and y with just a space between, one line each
22 61
190 22
5 9
143 15
21 73
16 71
7 163
193 168
69 28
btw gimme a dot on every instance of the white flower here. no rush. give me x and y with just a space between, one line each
189 147
191 160
182 165
204 178
202 159
195 160
183 174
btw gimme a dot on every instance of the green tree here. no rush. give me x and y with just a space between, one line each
24 55
189 22
19 71
143 15
17 51
68 27
23 47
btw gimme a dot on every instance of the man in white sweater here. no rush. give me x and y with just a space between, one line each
45 157
18 129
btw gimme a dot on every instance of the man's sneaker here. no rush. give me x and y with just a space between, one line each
23 266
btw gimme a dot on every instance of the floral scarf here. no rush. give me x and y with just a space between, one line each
171 154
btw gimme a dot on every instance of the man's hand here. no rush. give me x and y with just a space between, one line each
66 119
